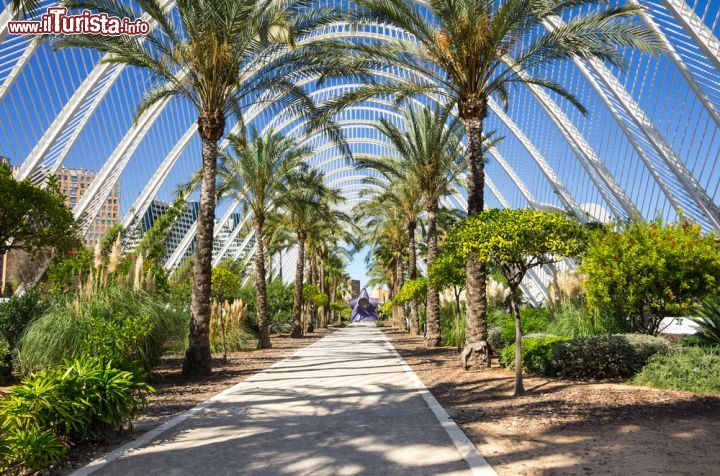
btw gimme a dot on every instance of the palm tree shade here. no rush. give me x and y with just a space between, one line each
469 51
221 56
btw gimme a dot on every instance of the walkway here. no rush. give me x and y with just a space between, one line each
347 404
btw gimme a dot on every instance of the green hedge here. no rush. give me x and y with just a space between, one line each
606 357
537 353
694 369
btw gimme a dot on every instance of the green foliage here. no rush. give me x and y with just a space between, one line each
279 304
134 326
236 340
153 245
448 270
33 218
412 290
537 354
449 326
532 319
572 320
67 271
225 284
17 313
108 241
695 369
83 400
495 340
518 239
30 451
320 299
309 291
606 357
118 337
708 320
643 269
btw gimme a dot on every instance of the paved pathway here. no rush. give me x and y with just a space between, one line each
347 404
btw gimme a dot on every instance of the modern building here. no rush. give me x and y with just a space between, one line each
157 209
224 234
73 184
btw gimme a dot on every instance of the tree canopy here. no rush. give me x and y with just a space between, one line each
33 218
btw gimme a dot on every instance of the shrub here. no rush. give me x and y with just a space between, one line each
449 326
691 369
603 357
537 354
118 323
708 321
533 319
647 269
16 314
279 304
575 321
495 340
85 399
23 451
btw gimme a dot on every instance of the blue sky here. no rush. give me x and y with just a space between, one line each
51 77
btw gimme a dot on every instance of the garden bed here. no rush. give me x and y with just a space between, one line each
176 394
564 427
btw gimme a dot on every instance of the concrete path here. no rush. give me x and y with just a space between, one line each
345 405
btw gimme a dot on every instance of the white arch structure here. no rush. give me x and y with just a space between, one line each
631 161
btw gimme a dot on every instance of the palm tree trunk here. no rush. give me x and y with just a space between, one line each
412 272
312 309
476 352
297 330
261 286
198 360
432 318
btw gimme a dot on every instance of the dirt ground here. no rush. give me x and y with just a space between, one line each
176 394
571 428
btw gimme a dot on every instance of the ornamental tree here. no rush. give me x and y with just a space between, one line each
644 271
449 271
516 241
33 219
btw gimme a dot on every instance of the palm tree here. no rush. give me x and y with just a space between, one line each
469 51
221 56
255 176
389 240
430 160
402 194
305 207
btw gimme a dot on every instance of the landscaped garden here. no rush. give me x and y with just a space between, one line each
541 324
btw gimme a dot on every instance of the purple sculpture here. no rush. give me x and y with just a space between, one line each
363 307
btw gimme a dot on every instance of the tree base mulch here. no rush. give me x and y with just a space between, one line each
570 428
177 394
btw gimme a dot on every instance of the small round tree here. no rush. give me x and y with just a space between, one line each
449 271
643 270
516 241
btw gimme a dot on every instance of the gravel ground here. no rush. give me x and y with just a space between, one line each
570 428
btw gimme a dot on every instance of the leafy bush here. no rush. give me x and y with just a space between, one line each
279 304
16 314
83 400
237 337
537 354
495 340
23 451
603 357
691 369
647 269
449 326
708 320
132 327
412 290
575 321
533 319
